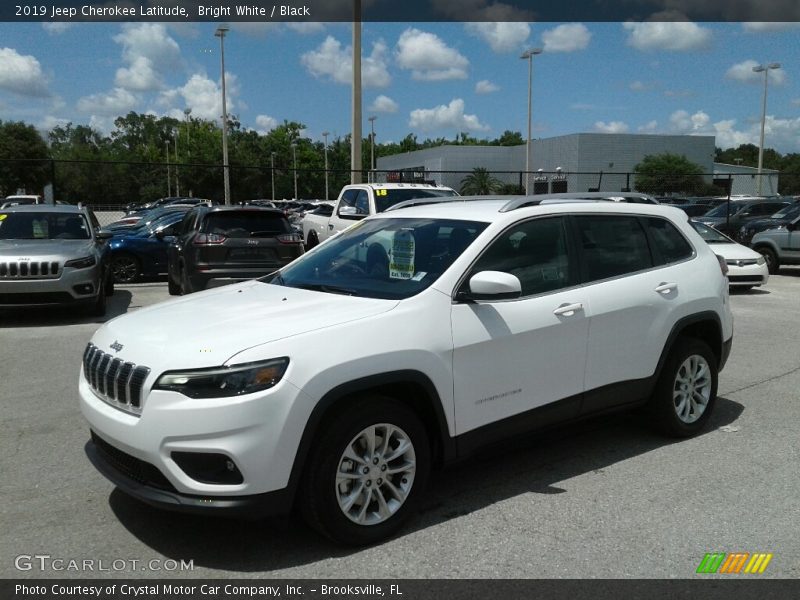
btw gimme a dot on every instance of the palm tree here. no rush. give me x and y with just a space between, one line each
479 183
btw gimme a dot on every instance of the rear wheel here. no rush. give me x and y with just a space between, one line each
173 288
126 268
772 259
186 285
366 473
686 390
312 241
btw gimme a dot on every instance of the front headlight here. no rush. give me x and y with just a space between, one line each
221 382
761 260
81 263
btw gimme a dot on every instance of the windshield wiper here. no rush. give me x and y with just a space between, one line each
329 289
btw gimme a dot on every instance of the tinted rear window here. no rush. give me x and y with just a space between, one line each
668 240
612 246
243 224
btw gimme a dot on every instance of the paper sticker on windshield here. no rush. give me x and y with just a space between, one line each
419 276
2 217
402 263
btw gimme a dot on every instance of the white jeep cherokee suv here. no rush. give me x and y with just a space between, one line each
409 341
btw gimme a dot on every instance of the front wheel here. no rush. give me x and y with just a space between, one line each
686 390
366 473
772 259
313 240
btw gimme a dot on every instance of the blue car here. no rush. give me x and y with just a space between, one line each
141 251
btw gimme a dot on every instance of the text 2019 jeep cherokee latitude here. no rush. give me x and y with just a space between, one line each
406 342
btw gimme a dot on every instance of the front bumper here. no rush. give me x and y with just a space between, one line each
70 287
158 495
747 275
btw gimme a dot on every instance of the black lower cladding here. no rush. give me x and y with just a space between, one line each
146 483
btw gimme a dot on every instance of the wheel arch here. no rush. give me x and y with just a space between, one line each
705 326
412 388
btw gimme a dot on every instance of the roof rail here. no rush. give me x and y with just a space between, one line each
424 201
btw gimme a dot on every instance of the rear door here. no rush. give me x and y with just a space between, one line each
246 239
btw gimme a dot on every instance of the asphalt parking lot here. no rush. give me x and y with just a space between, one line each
607 498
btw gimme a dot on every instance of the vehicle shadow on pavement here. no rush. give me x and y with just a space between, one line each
531 466
751 292
53 316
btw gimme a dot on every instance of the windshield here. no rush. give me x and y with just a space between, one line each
43 226
711 235
381 258
789 212
722 210
384 198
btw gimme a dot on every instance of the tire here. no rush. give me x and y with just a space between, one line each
185 285
772 259
126 268
686 390
98 307
370 516
173 288
110 283
313 240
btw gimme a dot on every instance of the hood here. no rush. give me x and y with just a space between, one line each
734 251
49 249
207 328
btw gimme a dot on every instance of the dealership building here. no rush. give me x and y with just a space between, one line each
569 163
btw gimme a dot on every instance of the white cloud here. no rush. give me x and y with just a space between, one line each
662 35
641 86
57 27
610 127
649 127
383 104
21 74
769 27
117 102
428 57
501 37
49 122
484 86
449 116
265 123
566 38
304 28
743 71
204 96
782 134
333 61
103 124
682 122
149 52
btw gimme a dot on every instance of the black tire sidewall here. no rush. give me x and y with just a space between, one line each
662 403
772 260
319 503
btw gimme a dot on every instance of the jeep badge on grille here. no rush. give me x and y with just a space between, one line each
116 346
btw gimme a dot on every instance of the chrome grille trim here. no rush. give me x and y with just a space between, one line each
29 270
118 383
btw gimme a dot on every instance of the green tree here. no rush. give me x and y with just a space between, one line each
509 138
23 159
480 182
664 173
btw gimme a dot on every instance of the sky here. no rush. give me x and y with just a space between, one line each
429 79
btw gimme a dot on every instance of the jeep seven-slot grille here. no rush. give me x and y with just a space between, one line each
24 269
118 382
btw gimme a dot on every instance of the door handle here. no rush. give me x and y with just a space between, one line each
330 225
666 288
567 310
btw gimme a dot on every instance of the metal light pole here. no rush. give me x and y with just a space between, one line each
528 55
372 148
294 167
169 181
272 164
325 135
765 69
220 33
177 133
355 134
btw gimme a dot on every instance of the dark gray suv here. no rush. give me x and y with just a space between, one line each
53 255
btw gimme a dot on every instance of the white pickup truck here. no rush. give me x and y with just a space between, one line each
358 201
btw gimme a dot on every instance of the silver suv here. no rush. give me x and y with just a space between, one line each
53 255
779 246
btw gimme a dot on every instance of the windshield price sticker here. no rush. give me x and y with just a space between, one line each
402 264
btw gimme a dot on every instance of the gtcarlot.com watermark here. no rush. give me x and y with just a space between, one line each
46 562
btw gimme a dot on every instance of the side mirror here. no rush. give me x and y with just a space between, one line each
104 234
791 226
492 285
161 234
350 212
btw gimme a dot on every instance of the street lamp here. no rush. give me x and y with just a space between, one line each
169 181
372 147
272 164
355 132
294 167
528 55
765 69
177 132
325 135
220 33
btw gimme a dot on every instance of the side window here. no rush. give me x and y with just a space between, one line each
535 252
362 203
770 208
612 245
668 241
